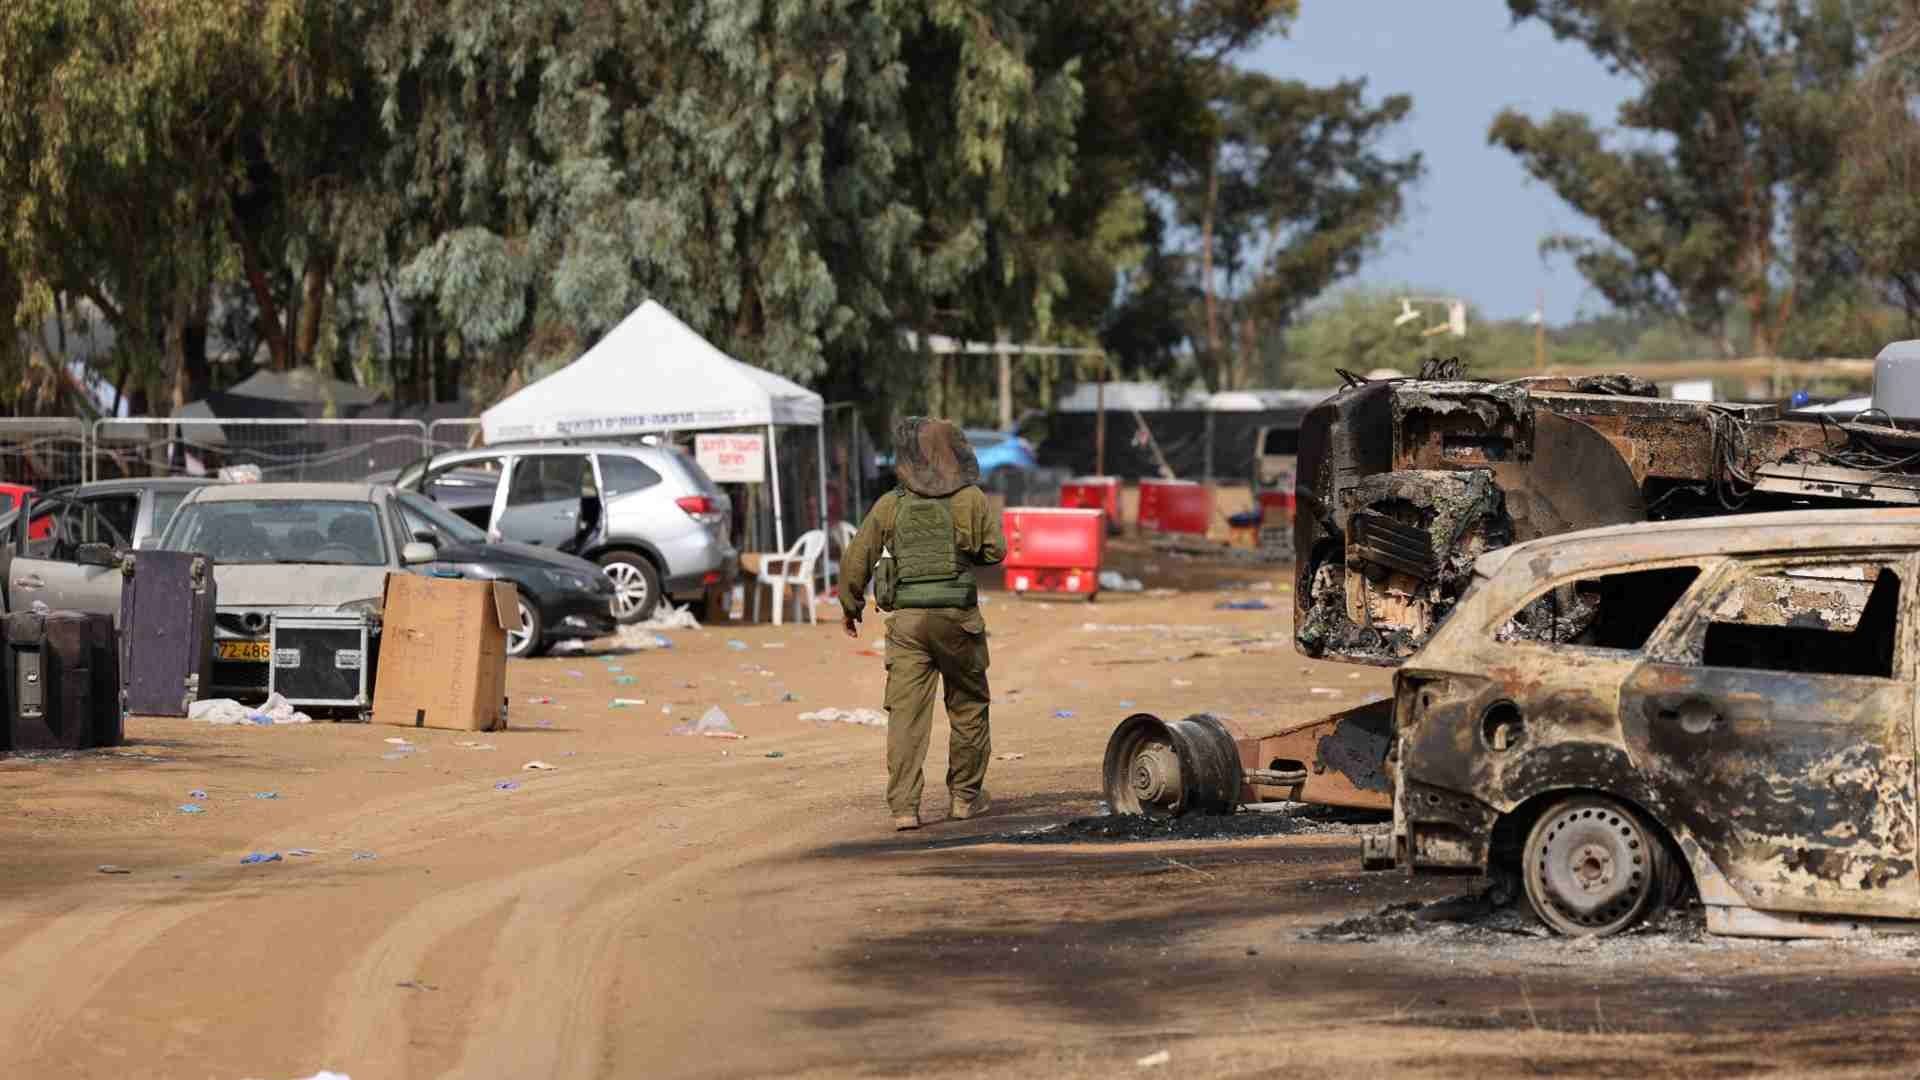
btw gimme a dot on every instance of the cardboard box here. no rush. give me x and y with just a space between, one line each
443 653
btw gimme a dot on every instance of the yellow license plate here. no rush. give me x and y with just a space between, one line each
256 651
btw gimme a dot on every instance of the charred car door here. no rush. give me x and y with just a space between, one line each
1776 729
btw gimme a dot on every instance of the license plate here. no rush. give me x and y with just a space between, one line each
258 652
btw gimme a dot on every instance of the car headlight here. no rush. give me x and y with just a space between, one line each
567 579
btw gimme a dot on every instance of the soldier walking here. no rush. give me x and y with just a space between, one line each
919 545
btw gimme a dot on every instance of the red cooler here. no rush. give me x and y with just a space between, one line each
1094 493
1054 550
1175 506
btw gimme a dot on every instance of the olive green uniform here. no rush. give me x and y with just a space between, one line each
929 644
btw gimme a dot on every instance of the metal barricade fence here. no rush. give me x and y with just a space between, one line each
455 434
43 453
290 449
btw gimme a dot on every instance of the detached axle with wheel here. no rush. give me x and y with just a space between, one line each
1210 765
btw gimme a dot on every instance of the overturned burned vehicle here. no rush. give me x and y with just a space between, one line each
1727 703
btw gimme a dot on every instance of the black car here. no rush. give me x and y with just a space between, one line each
561 596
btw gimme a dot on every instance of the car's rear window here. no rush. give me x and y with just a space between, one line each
1607 611
691 471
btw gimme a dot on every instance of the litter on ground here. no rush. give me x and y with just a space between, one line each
192 808
109 868
538 765
1115 581
275 710
260 857
506 785
863 717
713 723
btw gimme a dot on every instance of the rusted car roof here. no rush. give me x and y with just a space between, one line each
1789 530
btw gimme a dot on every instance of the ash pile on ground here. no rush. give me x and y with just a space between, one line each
1486 918
1134 828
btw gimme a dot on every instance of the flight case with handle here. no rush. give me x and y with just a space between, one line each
166 630
62 675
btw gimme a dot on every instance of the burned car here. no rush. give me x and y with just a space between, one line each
1727 703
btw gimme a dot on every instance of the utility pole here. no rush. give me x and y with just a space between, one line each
1002 347
1540 332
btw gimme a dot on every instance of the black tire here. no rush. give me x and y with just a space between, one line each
1593 867
636 586
532 638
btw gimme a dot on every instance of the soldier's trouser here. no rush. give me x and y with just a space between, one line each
922 647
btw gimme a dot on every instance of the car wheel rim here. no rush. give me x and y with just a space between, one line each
629 588
1595 866
519 638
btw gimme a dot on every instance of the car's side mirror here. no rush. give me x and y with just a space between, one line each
418 552
95 555
426 536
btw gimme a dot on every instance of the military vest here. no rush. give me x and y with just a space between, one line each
926 553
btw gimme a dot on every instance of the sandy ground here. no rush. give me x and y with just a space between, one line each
688 907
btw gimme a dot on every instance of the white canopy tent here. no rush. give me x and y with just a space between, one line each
653 374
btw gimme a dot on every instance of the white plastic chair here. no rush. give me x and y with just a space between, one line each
841 535
796 568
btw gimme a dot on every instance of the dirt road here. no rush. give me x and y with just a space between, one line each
690 907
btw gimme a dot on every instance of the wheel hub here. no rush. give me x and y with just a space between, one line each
1156 775
1594 866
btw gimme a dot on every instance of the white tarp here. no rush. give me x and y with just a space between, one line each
651 373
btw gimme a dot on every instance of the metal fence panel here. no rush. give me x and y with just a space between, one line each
282 449
43 454
457 434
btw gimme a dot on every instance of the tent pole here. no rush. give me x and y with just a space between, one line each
820 451
773 465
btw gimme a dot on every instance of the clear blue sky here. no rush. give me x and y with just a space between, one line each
1474 223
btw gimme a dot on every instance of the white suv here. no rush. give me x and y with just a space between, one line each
649 515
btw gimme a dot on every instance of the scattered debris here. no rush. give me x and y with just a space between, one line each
301 852
1182 682
615 669
537 765
576 674
776 753
364 856
541 700
398 741
1126 703
737 645
1115 581
1063 714
266 794
626 702
276 710
192 808
1261 586
863 717
474 745
1154 1060
506 785
413 984
667 617
1242 605
713 723
109 868
625 680
1325 690
259 857
196 793
1008 757
1295 819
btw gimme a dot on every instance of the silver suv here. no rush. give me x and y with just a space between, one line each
649 515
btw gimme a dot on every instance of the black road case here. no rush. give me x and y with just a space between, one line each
62 675
166 630
322 660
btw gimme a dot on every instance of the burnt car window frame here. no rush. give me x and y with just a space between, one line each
1688 643
1708 569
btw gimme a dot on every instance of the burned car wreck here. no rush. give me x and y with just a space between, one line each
1619 714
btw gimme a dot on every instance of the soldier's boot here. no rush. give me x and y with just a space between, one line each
903 822
964 809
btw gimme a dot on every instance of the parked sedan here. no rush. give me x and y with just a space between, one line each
1615 715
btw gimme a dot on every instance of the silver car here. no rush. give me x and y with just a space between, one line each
649 515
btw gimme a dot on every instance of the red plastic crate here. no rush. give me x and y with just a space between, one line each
1094 493
1054 550
1175 506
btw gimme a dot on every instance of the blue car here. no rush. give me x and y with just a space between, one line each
995 450
999 450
